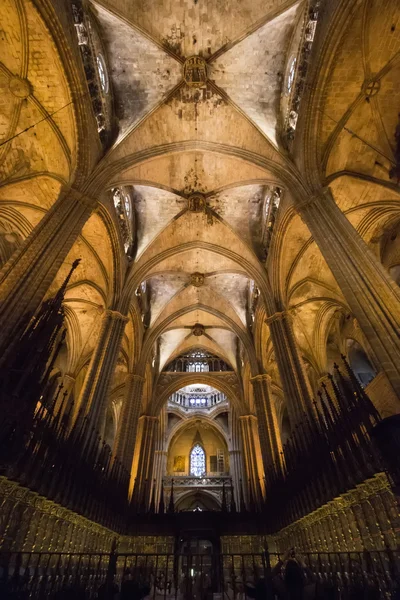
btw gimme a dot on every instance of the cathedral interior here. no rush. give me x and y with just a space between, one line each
199 296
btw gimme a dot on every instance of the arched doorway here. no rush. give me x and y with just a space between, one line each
197 501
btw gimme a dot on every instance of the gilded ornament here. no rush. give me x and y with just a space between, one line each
195 71
198 330
197 203
197 279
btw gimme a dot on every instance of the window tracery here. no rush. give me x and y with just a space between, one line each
102 71
123 208
197 362
297 70
272 201
197 461
95 68
202 397
292 71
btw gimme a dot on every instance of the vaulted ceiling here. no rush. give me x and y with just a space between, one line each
176 139
222 139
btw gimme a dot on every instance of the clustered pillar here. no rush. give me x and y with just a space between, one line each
290 364
371 294
144 460
126 436
94 397
26 277
266 425
252 458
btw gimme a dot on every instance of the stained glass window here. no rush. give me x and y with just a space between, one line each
197 461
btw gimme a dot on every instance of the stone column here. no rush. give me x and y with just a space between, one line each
26 277
371 294
290 365
266 425
126 435
144 459
160 456
248 424
93 399
160 469
235 468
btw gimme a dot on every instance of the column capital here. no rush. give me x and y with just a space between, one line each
314 197
323 379
248 418
81 197
115 315
135 378
261 377
278 316
149 418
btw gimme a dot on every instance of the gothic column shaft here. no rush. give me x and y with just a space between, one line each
143 465
126 437
160 469
235 467
266 425
235 454
372 295
290 365
94 398
26 277
248 428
